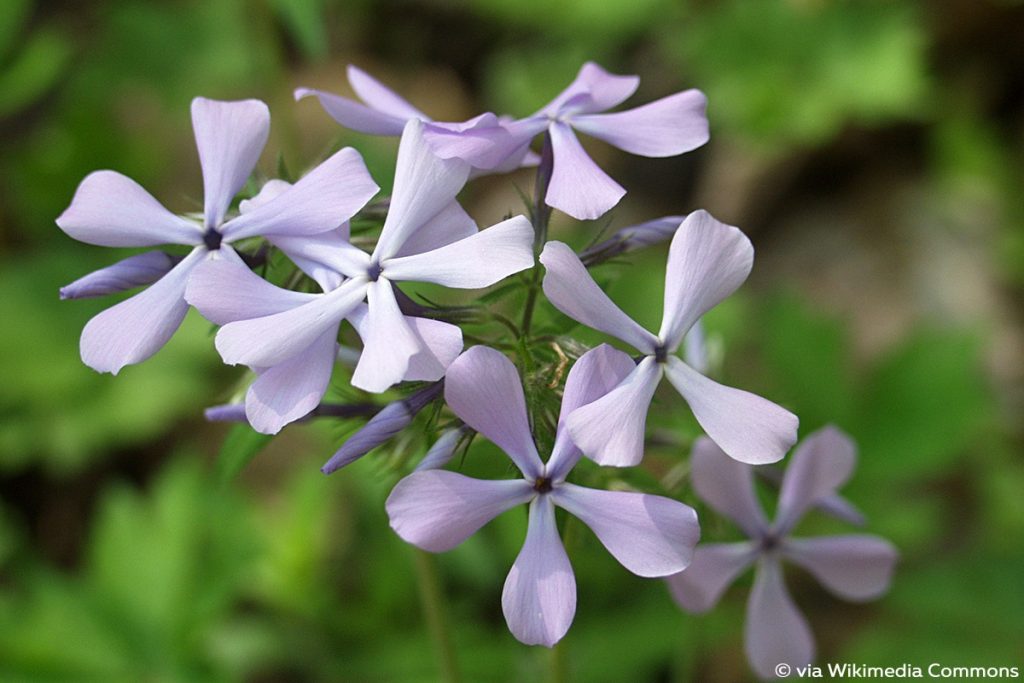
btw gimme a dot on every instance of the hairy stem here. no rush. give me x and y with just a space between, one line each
541 215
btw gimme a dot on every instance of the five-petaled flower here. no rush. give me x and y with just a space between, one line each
707 261
437 509
426 237
110 209
855 567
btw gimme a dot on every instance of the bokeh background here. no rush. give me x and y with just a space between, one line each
873 151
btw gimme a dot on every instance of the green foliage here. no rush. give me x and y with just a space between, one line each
240 446
58 411
792 73
153 600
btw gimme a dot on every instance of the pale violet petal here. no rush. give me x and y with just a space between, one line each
578 185
129 273
135 329
440 344
597 372
727 485
855 567
224 291
610 431
663 128
747 427
354 115
449 225
327 257
483 142
603 89
707 261
230 137
424 185
292 389
272 339
775 631
473 262
569 286
112 210
483 388
270 190
381 97
821 464
650 535
539 597
715 566
321 200
388 341
437 510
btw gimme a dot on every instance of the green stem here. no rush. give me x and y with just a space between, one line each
432 598
541 215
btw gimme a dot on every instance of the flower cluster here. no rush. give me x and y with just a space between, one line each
290 337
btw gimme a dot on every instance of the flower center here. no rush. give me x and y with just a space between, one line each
542 485
661 354
374 271
212 239
769 542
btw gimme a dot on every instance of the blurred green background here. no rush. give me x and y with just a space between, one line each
873 151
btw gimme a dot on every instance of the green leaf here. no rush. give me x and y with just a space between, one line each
305 21
924 406
34 70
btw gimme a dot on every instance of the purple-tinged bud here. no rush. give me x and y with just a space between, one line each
230 412
632 238
443 449
134 271
382 427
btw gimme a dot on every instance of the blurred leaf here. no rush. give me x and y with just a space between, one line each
305 21
788 73
241 445
34 70
13 16
924 406
808 356
63 413
162 574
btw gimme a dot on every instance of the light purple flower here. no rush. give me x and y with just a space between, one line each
110 209
287 391
426 237
663 128
436 509
707 261
854 567
484 141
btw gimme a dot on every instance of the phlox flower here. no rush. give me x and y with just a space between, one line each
707 261
437 509
426 237
483 141
666 127
855 567
287 391
110 209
